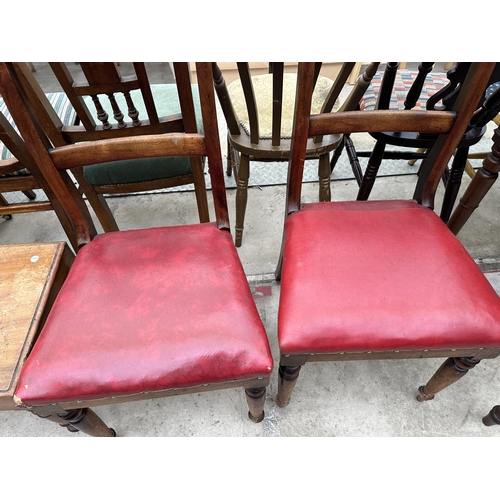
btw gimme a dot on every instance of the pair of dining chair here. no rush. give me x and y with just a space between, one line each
155 312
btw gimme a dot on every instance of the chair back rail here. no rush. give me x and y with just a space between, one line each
450 125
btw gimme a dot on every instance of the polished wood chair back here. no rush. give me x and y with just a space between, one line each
382 279
258 110
143 313
109 105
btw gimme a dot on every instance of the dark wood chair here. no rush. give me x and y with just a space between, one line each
382 279
143 313
422 89
101 104
258 110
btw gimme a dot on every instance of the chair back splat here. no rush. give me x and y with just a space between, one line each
381 279
143 313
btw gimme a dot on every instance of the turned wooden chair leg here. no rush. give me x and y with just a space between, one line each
287 379
241 197
493 417
324 178
255 400
371 171
229 156
58 420
449 372
85 420
337 153
454 182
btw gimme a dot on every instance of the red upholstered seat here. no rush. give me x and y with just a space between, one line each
380 275
148 310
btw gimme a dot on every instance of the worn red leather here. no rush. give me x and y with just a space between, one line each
380 276
147 310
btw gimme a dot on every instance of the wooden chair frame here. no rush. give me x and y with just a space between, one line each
450 125
52 162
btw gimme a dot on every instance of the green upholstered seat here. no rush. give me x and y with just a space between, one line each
145 169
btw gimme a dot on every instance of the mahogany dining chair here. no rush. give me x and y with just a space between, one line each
143 313
385 278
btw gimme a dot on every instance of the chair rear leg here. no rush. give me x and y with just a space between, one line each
371 171
287 379
241 197
449 372
324 173
255 400
453 184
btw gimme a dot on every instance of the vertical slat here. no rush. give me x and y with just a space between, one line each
386 86
183 81
416 88
147 95
277 72
225 100
337 87
248 92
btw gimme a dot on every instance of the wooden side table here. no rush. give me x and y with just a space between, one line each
31 276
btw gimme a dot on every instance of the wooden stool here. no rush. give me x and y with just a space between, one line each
31 276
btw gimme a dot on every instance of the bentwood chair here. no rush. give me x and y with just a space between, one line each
258 110
422 89
143 313
382 279
101 102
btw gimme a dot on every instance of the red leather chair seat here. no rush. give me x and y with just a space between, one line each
380 276
147 310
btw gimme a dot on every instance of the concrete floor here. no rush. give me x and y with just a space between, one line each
344 399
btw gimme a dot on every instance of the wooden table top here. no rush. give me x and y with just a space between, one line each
30 278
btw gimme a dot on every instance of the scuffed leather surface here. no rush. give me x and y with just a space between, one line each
378 276
147 310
